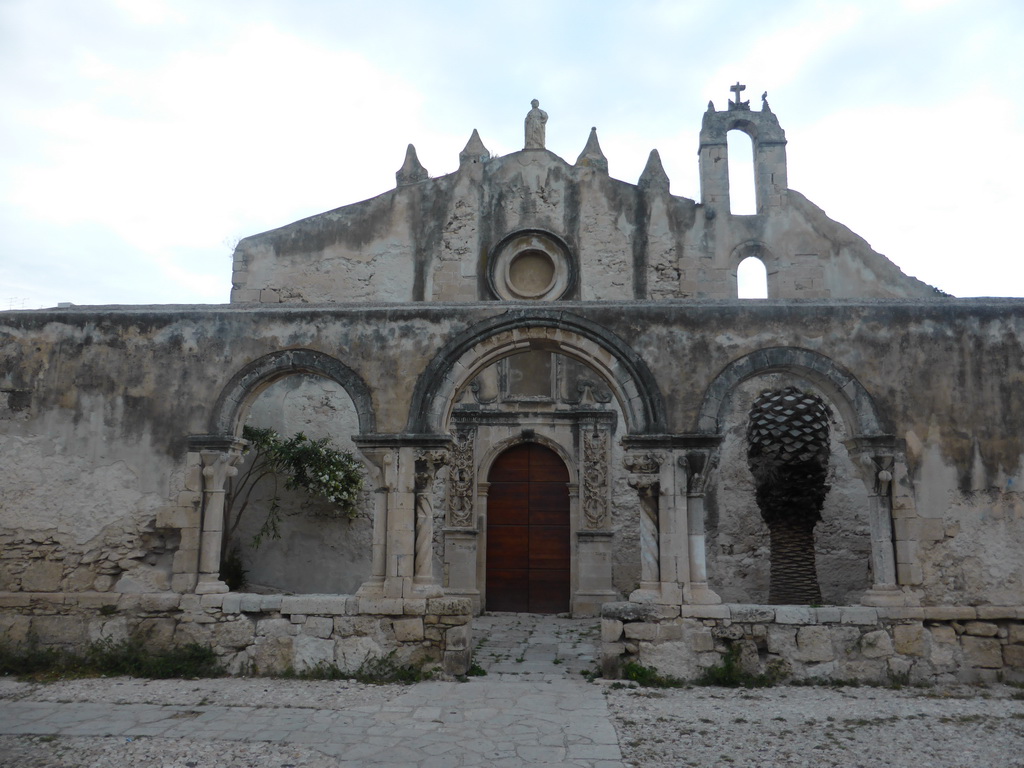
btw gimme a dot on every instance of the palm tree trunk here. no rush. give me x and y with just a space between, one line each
794 577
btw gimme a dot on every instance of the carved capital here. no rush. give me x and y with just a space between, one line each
218 466
645 485
699 466
643 463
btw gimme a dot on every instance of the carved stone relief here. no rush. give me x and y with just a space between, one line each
595 479
461 479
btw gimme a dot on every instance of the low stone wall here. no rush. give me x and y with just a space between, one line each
253 633
939 644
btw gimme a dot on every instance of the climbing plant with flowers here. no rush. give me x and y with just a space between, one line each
314 466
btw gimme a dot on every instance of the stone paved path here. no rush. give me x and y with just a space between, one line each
533 707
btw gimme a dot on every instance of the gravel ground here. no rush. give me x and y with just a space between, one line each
963 727
865 727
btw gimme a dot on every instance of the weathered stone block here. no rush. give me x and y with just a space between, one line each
795 614
861 615
781 640
387 606
458 638
232 603
1015 633
409 630
950 613
251 603
350 653
451 606
42 576
273 655
670 631
876 645
156 633
702 641
275 628
270 603
987 612
910 639
311 652
159 602
1013 656
14 629
981 629
318 626
814 643
624 611
640 631
827 614
752 613
238 633
415 606
982 652
611 630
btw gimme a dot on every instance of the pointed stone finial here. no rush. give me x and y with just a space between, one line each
411 170
592 156
711 106
475 151
654 177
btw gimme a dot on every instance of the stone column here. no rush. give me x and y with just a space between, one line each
461 533
218 467
395 527
385 462
698 466
593 534
424 581
645 470
877 472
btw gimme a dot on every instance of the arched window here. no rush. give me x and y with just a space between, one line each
752 279
742 197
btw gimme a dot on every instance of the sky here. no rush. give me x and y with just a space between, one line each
140 139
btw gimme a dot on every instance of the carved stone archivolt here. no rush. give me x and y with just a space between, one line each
595 480
461 479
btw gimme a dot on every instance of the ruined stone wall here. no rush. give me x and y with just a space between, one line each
878 645
432 241
100 493
253 633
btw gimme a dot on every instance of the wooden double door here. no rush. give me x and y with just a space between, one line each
528 551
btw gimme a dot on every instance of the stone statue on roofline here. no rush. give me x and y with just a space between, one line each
536 119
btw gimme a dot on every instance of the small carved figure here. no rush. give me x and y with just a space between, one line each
536 119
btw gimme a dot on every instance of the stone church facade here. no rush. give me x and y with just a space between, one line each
549 378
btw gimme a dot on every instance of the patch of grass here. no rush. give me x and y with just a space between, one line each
730 674
108 658
650 677
475 670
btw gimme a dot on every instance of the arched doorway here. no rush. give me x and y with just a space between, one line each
528 549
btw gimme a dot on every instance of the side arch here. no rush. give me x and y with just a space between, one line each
232 405
461 359
853 401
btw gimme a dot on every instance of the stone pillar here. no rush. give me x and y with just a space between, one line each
698 467
461 533
386 463
645 476
220 458
593 536
425 583
395 569
877 472
673 544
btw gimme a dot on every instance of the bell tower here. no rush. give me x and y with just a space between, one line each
769 141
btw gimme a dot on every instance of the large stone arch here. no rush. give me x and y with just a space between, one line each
465 356
855 405
232 405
